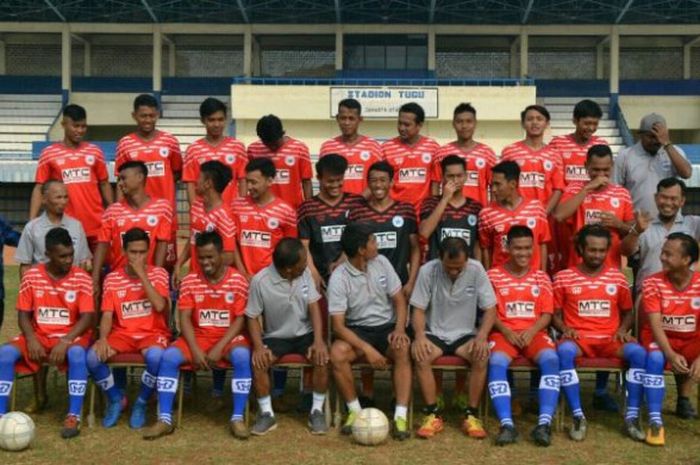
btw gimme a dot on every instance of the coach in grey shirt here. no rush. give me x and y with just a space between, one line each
31 248
654 157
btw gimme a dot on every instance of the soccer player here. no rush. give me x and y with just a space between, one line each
135 315
671 302
55 313
510 208
593 311
541 177
369 315
322 218
525 307
216 145
81 167
448 295
211 305
411 155
160 151
262 218
359 151
452 214
479 157
290 157
284 297
598 201
393 224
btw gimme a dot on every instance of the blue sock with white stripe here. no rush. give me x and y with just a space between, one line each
150 374
654 385
636 356
166 384
241 381
103 376
548 392
569 378
499 389
9 355
77 379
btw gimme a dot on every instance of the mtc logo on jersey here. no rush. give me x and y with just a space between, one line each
331 233
156 169
75 175
472 179
282 176
576 173
386 240
355 172
591 216
532 179
412 175
520 309
136 309
456 232
251 238
214 318
53 316
594 308
679 323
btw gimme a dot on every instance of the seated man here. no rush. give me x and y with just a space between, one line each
671 300
135 310
593 311
368 315
285 296
55 313
211 305
524 312
448 293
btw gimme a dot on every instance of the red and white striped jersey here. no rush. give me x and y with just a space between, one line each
230 151
679 310
573 156
521 300
540 170
479 159
218 219
360 157
412 167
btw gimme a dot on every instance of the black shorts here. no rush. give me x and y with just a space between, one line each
290 345
449 349
376 336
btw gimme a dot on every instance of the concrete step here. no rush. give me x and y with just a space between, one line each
179 122
16 146
21 137
601 132
57 98
568 124
23 129
563 115
167 99
572 100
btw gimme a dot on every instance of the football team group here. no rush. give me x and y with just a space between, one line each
409 252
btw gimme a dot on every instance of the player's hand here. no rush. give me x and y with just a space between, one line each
526 337
96 293
643 219
569 333
479 348
377 360
176 278
609 220
512 337
318 353
660 131
138 264
86 265
199 360
398 339
695 370
215 354
262 358
421 349
448 189
623 336
678 363
102 349
597 183
408 289
36 350
58 353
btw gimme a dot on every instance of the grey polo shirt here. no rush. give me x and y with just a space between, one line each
451 307
283 304
31 248
652 240
364 296
640 172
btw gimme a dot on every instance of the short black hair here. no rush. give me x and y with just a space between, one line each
452 160
210 106
332 165
269 129
538 108
598 151
287 253
146 100
509 169
137 164
262 164
517 231
47 185
350 104
591 230
75 112
383 166
417 110
587 109
218 173
209 237
453 247
355 235
670 182
57 236
464 108
688 243
134 235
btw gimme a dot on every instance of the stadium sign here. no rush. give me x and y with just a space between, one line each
384 102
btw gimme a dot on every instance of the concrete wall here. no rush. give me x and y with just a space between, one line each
681 112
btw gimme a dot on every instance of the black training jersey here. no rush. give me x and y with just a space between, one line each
455 222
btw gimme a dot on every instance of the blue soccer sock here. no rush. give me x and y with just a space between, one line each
548 392
499 390
279 380
218 381
77 379
148 378
654 385
103 376
636 356
569 378
166 383
242 379
601 382
9 355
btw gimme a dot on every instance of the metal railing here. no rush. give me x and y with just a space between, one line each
302 81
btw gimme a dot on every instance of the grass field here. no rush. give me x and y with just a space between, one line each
204 439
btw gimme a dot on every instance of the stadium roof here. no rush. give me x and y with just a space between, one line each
355 11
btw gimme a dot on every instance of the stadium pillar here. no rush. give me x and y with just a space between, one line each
513 55
614 70
157 62
338 48
600 58
3 68
687 57
65 63
523 55
87 59
431 51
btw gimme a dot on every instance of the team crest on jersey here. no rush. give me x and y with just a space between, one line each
289 160
471 219
535 291
90 160
426 157
70 296
492 344
364 155
305 291
567 154
695 303
504 291
611 289
61 161
399 160
230 158
164 152
229 297
152 220
615 202
244 218
531 223
397 221
133 155
576 290
480 163
120 222
40 293
199 298
272 223
547 165
121 294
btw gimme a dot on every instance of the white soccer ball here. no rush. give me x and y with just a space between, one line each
16 431
371 427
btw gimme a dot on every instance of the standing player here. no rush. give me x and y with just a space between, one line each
525 308
671 300
479 158
359 151
369 315
411 155
211 305
593 311
540 168
55 313
508 209
290 157
81 167
216 145
135 315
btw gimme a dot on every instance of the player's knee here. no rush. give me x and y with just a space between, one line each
76 354
240 357
92 359
635 354
172 357
339 352
153 356
656 362
497 361
8 354
567 352
548 361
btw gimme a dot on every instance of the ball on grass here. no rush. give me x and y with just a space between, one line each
371 427
16 431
